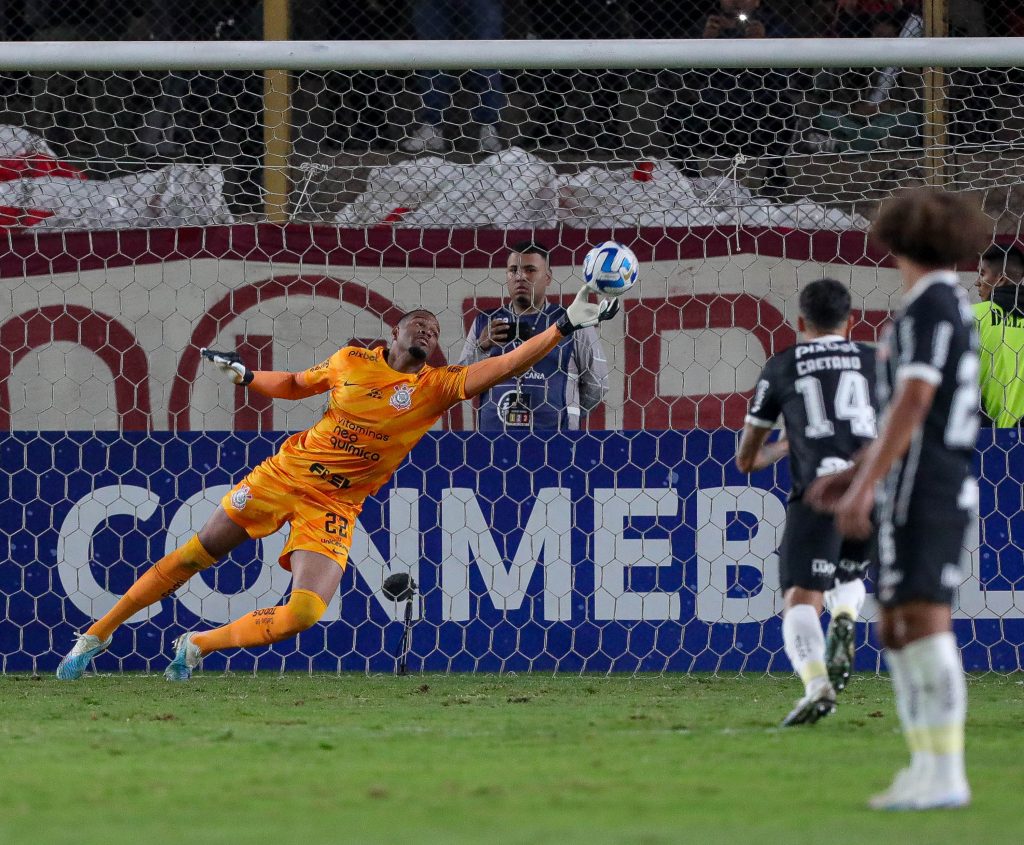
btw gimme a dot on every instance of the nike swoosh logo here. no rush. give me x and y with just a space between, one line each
353 384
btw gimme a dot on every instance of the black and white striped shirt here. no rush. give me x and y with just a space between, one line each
932 338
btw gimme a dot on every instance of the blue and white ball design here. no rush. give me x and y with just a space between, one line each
611 269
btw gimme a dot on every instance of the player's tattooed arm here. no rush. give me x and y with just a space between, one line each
772 453
754 453
825 491
905 415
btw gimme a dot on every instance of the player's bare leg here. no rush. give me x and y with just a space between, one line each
315 580
218 537
805 647
931 701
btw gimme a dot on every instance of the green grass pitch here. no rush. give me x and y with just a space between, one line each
497 759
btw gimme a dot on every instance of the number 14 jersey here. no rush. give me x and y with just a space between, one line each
824 389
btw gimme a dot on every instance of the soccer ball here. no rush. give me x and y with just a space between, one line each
610 269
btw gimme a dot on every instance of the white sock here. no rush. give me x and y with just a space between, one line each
847 598
936 661
805 645
907 693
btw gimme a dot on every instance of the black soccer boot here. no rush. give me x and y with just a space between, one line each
839 650
810 708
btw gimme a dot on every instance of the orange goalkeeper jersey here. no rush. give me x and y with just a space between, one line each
374 418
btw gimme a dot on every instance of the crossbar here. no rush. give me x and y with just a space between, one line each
510 55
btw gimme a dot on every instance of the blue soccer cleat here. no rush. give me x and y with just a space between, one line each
76 661
186 658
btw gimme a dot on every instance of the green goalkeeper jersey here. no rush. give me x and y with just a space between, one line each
1001 336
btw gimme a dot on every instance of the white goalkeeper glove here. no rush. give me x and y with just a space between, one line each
231 364
582 313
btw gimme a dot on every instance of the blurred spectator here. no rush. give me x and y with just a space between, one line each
667 18
197 107
723 112
555 392
1007 19
1000 320
857 18
357 108
967 18
972 92
743 19
61 100
76 20
878 119
13 27
575 108
14 24
442 20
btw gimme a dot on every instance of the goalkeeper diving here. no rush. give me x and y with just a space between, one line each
382 401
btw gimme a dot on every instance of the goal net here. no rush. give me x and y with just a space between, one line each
287 213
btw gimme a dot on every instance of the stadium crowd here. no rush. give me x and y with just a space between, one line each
696 114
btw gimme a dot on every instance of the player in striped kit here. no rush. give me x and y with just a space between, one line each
916 481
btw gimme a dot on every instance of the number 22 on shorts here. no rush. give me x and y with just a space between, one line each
335 523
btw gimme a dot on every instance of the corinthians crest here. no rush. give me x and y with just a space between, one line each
401 400
240 497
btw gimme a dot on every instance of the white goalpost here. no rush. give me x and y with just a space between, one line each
512 54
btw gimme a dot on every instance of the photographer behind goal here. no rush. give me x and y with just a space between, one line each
555 392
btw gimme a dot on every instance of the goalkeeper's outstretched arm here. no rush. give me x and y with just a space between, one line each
483 375
273 383
281 385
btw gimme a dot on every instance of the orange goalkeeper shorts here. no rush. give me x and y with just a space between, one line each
266 499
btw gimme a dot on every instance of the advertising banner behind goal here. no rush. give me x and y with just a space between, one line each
711 306
634 545
583 552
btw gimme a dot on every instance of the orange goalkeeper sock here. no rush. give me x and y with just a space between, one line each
266 625
158 582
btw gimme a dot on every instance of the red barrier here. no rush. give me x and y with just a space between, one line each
391 255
